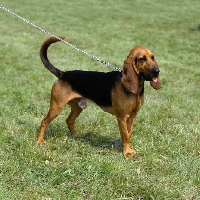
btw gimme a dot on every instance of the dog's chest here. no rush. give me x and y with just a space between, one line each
134 104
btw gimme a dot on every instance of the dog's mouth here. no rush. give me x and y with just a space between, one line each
155 79
150 76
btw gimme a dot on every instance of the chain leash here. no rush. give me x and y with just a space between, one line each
69 44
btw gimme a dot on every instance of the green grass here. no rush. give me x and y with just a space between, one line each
166 136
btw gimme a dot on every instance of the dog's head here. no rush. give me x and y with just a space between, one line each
140 64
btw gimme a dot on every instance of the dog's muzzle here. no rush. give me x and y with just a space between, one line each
150 76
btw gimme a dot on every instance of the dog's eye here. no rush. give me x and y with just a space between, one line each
143 59
152 57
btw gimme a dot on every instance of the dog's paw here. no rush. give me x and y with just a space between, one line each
41 141
129 153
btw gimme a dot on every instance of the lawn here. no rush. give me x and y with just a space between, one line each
167 131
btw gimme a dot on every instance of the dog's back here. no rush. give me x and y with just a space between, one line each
95 86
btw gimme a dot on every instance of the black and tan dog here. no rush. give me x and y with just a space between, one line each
121 94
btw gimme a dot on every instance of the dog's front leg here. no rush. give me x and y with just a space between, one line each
131 122
126 136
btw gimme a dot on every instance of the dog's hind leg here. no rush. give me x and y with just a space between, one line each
53 113
75 112
60 96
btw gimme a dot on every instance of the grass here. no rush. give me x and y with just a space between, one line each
166 136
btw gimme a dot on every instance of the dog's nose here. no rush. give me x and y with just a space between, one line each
156 70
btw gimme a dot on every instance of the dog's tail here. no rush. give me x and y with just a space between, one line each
43 55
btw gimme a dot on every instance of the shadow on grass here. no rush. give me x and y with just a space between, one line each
101 141
195 28
96 140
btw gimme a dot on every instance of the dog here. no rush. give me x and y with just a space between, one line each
118 93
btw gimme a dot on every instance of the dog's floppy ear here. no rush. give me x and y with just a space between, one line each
156 84
129 76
